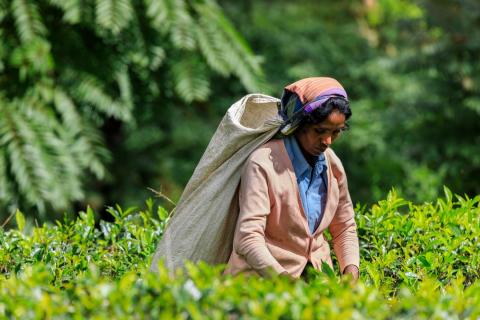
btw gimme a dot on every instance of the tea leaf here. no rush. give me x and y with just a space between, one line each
20 218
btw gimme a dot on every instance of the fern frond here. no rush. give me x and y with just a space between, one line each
213 12
18 157
44 159
211 45
49 142
249 78
190 76
67 173
113 15
123 81
28 21
89 91
182 33
65 107
72 9
3 9
69 130
41 146
6 193
143 50
85 142
33 58
231 46
158 55
92 146
173 16
160 12
6 190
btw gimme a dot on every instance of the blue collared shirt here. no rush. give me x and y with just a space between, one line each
312 182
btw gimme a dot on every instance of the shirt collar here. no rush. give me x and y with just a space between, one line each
300 164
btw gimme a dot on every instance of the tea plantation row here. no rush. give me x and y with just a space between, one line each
418 261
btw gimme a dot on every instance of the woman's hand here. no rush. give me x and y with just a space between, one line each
353 270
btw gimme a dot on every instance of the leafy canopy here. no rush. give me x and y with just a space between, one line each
68 66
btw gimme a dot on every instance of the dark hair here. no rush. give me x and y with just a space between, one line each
320 114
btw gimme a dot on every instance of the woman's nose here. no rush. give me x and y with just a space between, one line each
327 140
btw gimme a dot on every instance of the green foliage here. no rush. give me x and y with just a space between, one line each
418 261
412 73
405 243
100 99
70 68
203 293
429 74
70 246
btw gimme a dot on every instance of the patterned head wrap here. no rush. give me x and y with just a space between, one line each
304 96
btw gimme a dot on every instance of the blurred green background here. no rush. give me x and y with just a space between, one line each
101 99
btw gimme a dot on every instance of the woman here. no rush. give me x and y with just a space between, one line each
295 187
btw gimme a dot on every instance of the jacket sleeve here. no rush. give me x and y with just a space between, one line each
343 227
249 240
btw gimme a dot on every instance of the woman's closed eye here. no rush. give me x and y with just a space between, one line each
322 131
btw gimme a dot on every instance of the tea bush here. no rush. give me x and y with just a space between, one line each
402 242
418 261
69 247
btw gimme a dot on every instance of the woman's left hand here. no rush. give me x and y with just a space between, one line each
353 270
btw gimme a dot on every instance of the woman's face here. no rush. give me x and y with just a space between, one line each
316 138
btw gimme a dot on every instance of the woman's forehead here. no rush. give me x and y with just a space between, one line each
334 120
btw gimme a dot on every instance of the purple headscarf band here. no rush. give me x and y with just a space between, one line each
318 101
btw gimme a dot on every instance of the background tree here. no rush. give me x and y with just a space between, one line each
101 99
411 70
73 70
426 95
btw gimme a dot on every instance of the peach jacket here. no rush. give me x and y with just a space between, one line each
272 233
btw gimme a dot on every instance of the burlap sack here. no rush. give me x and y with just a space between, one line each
204 221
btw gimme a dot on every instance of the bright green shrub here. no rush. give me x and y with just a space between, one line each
203 293
403 243
418 261
69 247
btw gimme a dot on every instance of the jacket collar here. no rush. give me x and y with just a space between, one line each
300 164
